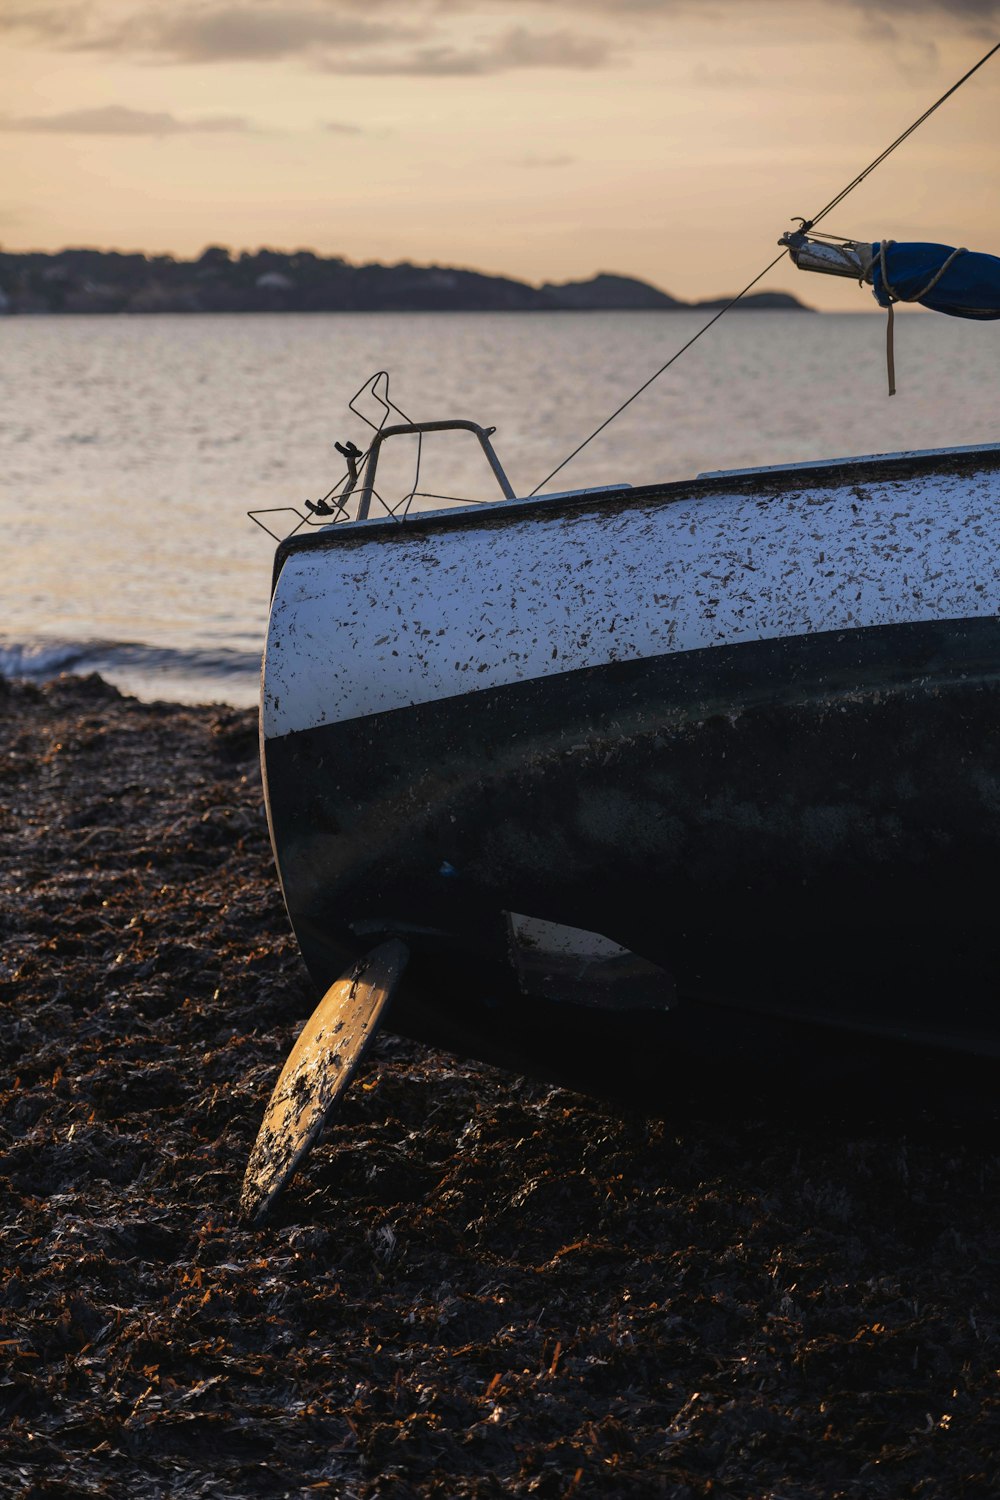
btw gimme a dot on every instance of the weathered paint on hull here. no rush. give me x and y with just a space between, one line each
368 618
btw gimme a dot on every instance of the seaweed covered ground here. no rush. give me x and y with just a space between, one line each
477 1286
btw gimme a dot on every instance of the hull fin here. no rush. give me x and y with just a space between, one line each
319 1068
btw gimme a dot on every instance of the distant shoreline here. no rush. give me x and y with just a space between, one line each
374 312
97 282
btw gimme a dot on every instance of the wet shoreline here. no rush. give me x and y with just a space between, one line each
477 1286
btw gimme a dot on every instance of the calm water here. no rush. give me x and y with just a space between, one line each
131 448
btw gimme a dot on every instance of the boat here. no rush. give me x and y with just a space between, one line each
730 741
656 787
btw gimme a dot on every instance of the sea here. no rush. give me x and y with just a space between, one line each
132 448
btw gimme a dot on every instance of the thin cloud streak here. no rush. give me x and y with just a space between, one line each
232 33
117 119
188 33
517 48
963 10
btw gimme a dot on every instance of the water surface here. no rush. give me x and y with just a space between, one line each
132 447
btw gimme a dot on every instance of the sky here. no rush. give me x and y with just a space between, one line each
672 140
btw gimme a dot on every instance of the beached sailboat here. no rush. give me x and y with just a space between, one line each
743 729
634 780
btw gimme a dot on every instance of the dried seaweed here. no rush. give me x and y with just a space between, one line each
477 1286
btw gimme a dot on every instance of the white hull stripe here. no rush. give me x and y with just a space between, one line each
382 622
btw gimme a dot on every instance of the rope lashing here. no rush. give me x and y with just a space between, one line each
896 296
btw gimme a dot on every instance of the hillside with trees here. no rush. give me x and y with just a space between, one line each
219 280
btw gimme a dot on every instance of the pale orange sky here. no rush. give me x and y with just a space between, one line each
548 140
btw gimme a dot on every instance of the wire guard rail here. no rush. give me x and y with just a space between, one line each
332 508
454 424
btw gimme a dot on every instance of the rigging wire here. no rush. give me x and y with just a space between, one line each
807 224
646 384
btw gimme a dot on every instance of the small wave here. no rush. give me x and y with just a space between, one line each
38 660
148 670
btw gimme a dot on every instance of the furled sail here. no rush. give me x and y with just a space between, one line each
968 285
946 279
962 283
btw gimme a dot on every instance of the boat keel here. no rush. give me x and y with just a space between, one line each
327 1054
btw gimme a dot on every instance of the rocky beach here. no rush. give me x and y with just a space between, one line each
476 1286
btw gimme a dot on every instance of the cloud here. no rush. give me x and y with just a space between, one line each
615 8
116 119
645 10
916 44
240 33
201 33
337 35
340 127
964 10
517 48
916 58
45 22
418 37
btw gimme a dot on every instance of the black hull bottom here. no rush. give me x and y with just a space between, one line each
803 834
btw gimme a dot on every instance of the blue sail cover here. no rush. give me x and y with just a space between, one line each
970 288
